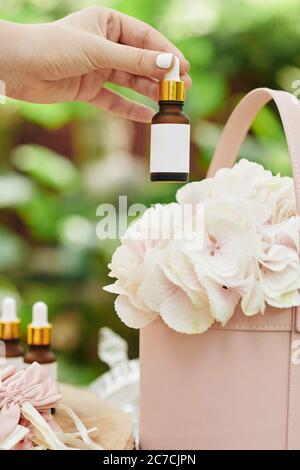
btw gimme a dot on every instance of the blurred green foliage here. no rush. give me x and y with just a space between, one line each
59 162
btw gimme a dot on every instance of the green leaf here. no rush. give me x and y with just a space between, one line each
15 190
207 94
77 231
41 215
7 288
50 116
46 166
200 53
12 249
266 124
75 373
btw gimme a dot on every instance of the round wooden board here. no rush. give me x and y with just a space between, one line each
114 427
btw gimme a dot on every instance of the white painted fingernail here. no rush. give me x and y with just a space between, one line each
164 61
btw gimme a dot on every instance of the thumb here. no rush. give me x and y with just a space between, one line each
137 61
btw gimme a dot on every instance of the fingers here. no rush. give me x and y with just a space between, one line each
117 104
134 60
145 86
187 79
124 43
139 34
144 62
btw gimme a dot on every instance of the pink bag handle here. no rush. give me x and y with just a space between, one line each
240 122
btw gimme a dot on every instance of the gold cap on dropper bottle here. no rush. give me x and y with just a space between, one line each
39 331
171 88
10 324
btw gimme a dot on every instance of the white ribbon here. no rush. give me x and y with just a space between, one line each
46 438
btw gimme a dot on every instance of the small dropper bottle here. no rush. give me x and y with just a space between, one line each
10 333
39 339
170 131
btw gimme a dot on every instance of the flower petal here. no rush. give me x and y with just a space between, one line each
179 313
286 300
252 299
222 301
115 288
155 288
130 315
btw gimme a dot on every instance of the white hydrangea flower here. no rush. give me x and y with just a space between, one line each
249 254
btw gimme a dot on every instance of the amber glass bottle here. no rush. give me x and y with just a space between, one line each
10 333
170 132
39 340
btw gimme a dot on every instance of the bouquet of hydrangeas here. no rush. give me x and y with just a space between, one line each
244 251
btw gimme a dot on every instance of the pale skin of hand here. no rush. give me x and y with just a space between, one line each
71 60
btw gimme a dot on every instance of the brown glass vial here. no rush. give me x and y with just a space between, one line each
10 334
170 132
39 340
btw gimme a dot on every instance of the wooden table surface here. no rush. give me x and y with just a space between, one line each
114 427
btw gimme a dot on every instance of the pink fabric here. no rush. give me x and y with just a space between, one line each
27 443
33 385
220 390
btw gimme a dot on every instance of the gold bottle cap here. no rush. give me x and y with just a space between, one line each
172 88
39 335
39 331
10 325
10 330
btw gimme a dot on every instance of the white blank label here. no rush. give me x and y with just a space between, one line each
170 148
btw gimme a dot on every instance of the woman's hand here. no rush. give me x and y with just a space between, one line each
71 59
